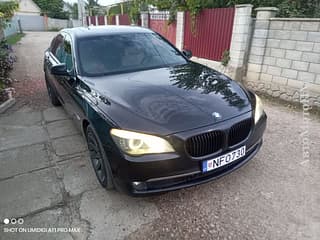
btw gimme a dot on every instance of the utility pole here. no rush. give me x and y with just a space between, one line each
81 13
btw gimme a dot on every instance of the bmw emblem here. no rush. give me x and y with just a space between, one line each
216 116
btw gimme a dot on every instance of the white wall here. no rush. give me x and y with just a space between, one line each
76 23
58 23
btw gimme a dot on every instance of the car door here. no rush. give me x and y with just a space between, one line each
50 60
67 86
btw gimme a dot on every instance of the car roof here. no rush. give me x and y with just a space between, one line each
80 32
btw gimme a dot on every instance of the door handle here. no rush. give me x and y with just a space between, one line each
86 95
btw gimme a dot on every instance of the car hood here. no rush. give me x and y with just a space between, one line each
171 99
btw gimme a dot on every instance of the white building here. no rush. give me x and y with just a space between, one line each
28 7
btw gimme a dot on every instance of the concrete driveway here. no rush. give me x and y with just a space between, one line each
46 180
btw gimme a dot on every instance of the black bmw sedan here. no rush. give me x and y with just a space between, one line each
154 121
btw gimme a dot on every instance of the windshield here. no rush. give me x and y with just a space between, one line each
125 53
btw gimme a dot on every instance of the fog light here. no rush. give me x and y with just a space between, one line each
139 186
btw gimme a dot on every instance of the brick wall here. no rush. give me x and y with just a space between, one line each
284 58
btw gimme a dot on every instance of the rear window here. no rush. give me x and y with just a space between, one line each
124 53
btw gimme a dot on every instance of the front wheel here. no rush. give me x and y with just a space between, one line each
99 159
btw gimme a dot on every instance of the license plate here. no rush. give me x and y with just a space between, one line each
222 160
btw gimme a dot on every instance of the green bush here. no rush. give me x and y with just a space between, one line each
225 58
7 60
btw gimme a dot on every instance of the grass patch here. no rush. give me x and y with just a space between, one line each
55 29
2 86
13 39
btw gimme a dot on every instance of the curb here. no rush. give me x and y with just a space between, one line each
7 104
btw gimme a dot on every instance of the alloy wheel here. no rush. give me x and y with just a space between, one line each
96 157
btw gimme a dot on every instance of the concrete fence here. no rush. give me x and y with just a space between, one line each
30 22
11 28
37 23
58 23
284 58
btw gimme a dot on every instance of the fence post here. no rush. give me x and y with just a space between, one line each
117 19
144 19
180 30
259 42
241 34
105 20
19 26
46 22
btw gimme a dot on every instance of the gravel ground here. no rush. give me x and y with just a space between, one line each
275 196
28 71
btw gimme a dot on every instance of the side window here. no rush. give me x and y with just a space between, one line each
68 53
55 44
61 48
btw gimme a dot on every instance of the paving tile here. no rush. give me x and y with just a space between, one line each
78 175
22 160
18 136
44 220
28 193
61 128
21 119
69 145
55 113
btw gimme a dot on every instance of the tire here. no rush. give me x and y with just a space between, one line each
99 160
52 94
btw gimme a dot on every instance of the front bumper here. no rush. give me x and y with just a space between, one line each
167 172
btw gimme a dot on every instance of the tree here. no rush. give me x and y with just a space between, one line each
6 12
75 11
92 6
53 8
287 8
134 11
7 9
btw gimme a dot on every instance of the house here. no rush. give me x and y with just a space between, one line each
28 7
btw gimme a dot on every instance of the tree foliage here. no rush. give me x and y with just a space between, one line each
7 9
132 8
287 8
52 8
93 7
75 11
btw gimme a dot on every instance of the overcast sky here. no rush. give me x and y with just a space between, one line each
101 2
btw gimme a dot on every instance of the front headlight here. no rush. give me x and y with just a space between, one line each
258 110
138 143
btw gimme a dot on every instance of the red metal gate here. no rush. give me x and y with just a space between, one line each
124 19
93 20
101 20
158 22
212 33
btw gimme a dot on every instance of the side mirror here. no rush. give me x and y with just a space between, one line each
187 53
59 69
